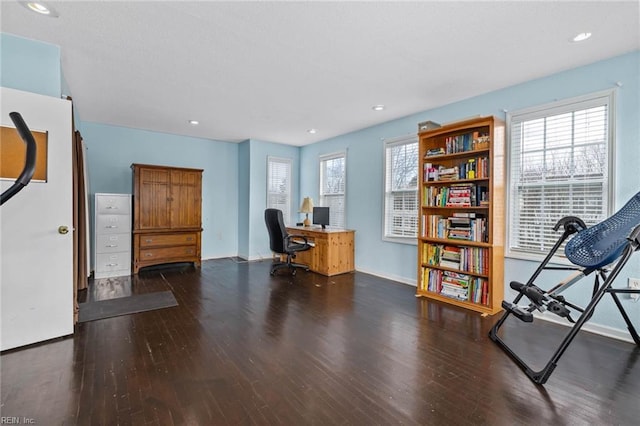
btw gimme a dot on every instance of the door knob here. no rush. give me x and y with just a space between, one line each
63 229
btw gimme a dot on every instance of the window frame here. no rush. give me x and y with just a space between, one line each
286 213
579 103
321 198
389 143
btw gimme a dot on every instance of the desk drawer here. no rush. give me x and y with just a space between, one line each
167 253
112 243
158 240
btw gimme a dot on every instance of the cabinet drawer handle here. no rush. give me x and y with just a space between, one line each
190 251
111 245
112 264
111 207
148 254
111 226
189 238
148 241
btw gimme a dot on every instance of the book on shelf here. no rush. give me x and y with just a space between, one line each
472 168
468 226
456 286
435 151
450 173
461 195
434 226
470 141
430 172
474 260
450 257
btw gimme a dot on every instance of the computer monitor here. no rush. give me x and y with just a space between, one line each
321 216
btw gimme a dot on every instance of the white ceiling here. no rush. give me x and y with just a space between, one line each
272 70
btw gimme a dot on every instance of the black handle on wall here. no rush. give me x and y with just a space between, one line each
30 160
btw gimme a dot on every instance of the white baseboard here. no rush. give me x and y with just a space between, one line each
602 330
403 280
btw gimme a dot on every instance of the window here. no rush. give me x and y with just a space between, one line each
559 166
279 185
401 189
332 187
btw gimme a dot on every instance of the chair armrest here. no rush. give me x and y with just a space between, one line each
289 237
571 224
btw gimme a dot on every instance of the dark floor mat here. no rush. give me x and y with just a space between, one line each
92 311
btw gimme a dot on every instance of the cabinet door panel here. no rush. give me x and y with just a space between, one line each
155 199
186 188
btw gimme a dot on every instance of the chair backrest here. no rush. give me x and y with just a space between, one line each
603 243
277 231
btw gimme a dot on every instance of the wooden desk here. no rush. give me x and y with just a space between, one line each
333 252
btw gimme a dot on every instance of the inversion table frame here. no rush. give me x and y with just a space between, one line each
607 244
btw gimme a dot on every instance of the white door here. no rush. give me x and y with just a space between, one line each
36 276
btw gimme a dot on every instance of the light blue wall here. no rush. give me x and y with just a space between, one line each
257 239
111 150
244 193
364 196
30 66
365 156
234 181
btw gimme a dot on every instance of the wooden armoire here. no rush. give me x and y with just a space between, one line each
167 223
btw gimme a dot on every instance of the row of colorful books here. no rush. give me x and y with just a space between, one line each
466 142
460 226
473 168
456 195
456 286
463 258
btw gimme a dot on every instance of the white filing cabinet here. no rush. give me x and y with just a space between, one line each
112 235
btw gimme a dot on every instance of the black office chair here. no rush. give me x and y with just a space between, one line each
282 242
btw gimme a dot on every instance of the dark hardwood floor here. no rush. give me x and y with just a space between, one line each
245 348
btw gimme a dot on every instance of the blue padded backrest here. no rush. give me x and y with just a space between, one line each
603 243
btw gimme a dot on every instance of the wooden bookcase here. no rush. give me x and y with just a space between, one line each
462 214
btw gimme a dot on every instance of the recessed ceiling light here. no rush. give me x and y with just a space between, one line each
40 8
194 122
312 131
377 107
581 37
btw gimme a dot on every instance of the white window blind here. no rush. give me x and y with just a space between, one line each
333 174
559 166
401 189
279 185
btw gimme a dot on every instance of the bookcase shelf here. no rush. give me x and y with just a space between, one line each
457 154
451 241
444 268
452 209
449 182
462 195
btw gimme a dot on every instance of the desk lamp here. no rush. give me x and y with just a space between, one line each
307 207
